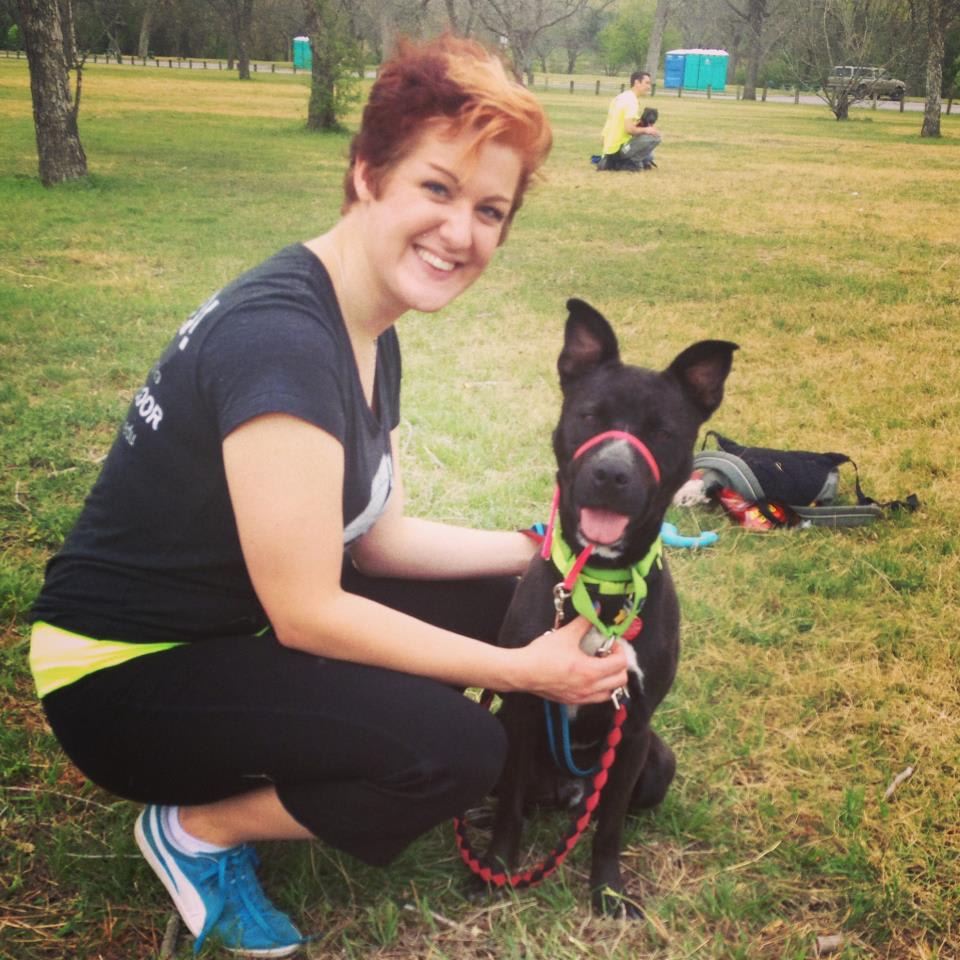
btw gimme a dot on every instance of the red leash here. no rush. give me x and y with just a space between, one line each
528 878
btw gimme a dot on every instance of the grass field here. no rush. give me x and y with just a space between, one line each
817 665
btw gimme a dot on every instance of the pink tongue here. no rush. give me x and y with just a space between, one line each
602 526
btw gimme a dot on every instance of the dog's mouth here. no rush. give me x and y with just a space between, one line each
602 527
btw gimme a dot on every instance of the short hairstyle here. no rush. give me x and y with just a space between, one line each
448 82
638 75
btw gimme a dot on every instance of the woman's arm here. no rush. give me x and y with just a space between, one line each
285 478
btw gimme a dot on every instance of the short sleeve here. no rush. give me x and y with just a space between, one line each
278 361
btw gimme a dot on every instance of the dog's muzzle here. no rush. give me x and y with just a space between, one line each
635 442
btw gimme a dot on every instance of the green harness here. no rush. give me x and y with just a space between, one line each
628 581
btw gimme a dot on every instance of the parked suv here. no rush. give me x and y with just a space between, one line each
865 83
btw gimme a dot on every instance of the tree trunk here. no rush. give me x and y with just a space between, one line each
461 26
334 54
59 149
113 47
143 44
652 64
522 57
935 47
243 59
750 79
841 106
388 31
756 17
452 15
244 18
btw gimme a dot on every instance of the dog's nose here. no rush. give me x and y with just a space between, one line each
617 476
612 468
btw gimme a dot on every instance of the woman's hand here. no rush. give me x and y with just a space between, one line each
557 669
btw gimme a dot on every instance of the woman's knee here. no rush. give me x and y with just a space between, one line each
476 759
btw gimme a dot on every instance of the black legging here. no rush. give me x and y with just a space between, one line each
367 759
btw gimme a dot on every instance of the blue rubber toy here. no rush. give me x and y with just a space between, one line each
669 535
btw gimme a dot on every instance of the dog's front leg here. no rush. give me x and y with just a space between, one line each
520 716
608 893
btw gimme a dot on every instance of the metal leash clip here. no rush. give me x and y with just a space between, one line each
560 596
595 644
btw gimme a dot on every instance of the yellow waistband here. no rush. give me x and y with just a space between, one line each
59 657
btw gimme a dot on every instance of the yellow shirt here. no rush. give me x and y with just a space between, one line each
625 106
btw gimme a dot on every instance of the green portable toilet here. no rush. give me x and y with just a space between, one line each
691 70
713 69
302 58
696 69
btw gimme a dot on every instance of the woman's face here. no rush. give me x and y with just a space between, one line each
437 221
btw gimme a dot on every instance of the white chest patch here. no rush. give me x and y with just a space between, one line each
632 665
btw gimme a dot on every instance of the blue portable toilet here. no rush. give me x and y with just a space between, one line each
695 69
673 68
302 57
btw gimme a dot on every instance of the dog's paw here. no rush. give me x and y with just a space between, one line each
609 902
477 890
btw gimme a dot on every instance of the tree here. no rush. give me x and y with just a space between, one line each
51 54
754 17
460 16
103 18
239 17
522 22
582 30
335 55
150 10
940 15
829 33
275 24
755 20
657 28
625 41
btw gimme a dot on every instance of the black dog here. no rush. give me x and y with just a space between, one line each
624 446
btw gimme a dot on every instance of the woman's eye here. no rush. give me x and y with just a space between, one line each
494 214
436 188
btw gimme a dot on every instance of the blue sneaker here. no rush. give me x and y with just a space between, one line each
217 894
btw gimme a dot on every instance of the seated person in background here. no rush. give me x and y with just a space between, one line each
628 143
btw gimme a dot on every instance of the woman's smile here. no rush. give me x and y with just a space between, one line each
437 221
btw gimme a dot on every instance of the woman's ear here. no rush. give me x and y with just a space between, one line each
360 182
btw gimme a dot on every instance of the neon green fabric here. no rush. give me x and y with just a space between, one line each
624 581
59 657
623 107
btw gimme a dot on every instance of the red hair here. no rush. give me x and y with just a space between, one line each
453 84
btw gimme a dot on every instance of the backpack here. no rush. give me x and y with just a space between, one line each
789 486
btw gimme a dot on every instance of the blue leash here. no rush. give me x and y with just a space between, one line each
565 738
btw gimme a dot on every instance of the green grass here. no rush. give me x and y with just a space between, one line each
816 665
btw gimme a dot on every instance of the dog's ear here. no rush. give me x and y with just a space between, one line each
588 341
702 370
